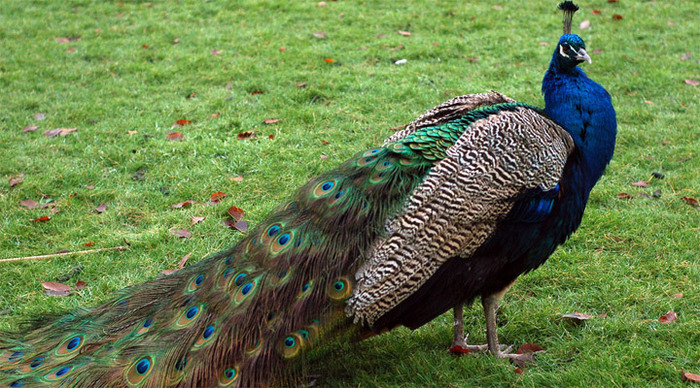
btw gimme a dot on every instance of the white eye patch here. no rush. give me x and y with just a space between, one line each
562 53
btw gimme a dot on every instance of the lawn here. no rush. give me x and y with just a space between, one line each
124 73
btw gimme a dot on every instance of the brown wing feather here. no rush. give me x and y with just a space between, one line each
459 204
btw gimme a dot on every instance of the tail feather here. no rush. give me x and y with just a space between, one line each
235 318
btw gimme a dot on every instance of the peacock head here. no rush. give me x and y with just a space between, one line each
570 52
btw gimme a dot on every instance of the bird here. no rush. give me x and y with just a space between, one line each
454 206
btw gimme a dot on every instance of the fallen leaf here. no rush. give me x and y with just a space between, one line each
140 174
182 233
144 46
239 225
686 56
678 295
329 60
181 123
649 102
184 259
62 40
66 131
624 196
643 195
544 43
692 82
301 85
236 178
271 121
175 136
640 184
196 220
215 115
282 48
218 196
576 317
254 92
236 212
133 133
52 132
320 35
101 208
324 157
56 289
325 142
271 137
381 36
519 370
321 4
596 12
167 272
670 23
41 219
597 51
691 377
70 50
15 180
617 17
245 135
29 204
667 318
656 193
404 33
176 41
30 128
585 24
690 201
215 52
529 348
612 1
473 59
89 244
79 285
182 204
398 48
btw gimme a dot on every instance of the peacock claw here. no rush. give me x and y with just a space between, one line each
461 347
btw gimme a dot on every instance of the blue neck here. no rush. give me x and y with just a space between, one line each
584 109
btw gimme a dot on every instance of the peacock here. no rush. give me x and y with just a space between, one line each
456 205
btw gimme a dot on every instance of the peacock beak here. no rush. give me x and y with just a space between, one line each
582 55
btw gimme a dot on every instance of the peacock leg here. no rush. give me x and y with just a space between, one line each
459 340
490 304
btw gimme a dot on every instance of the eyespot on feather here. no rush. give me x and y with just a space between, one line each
70 346
305 289
206 336
58 373
290 346
139 370
195 283
11 357
245 291
339 289
229 376
188 316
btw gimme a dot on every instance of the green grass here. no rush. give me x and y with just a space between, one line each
626 261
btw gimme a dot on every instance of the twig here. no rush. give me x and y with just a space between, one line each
119 248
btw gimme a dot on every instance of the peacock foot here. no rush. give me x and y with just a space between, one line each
460 346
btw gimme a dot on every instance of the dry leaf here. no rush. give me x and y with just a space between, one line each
236 178
617 17
301 85
678 295
79 285
175 136
29 204
324 157
131 133
596 12
529 348
176 41
325 142
690 377
692 82
101 208
215 115
271 137
15 180
215 52
239 225
245 135
320 35
519 370
56 289
41 219
624 196
196 220
236 212
321 3
576 317
182 204
70 50
690 201
640 184
89 244
182 233
585 24
329 60
218 196
181 123
667 318
404 33
686 56
271 121
184 259
30 128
